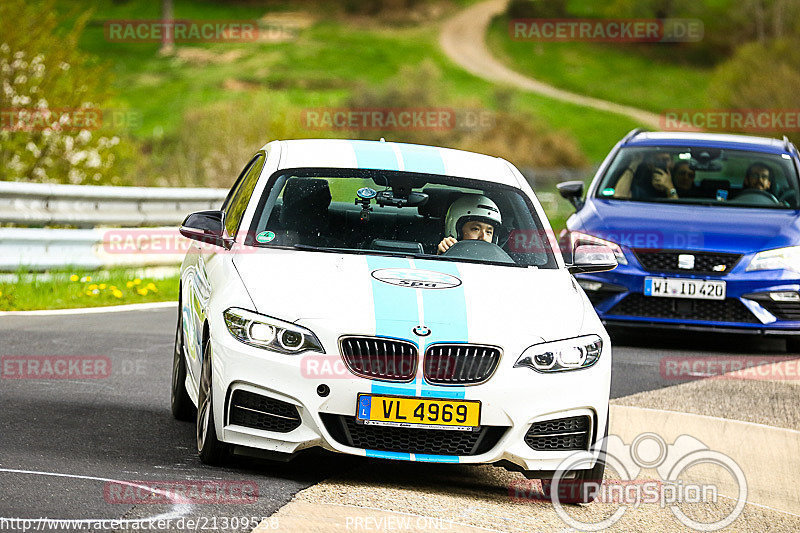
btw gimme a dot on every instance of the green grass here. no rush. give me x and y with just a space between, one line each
620 72
319 68
73 288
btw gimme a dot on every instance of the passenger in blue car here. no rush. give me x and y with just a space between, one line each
681 182
758 176
657 177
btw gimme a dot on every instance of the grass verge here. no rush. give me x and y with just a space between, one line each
274 82
71 289
611 71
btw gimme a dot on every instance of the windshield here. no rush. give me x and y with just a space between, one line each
399 213
702 175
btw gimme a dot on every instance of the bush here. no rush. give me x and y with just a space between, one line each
760 76
215 142
43 73
537 9
508 134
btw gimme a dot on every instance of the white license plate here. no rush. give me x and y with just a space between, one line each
699 289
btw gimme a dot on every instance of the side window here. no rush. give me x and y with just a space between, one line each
237 201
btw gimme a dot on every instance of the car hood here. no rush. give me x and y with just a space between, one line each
389 296
689 227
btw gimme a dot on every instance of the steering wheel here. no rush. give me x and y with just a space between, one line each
475 249
756 196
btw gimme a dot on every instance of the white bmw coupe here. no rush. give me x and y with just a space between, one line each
392 301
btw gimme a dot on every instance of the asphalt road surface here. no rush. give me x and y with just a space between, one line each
64 442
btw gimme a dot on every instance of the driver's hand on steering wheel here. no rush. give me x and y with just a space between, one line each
446 243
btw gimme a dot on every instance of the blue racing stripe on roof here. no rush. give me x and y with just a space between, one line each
371 154
422 159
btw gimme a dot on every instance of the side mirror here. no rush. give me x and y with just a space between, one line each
572 191
205 226
592 258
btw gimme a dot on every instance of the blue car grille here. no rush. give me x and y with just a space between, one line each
728 310
715 263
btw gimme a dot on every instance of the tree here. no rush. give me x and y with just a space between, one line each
51 101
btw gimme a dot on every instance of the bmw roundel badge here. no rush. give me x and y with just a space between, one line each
421 331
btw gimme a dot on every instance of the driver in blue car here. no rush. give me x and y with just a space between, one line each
471 217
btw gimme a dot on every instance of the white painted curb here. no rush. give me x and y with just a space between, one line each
92 310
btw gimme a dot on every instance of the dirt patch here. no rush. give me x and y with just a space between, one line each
232 84
202 56
282 27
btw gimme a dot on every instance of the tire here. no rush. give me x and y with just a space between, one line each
572 491
209 447
182 407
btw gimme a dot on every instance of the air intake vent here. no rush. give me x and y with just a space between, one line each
380 358
560 435
345 430
260 412
714 263
460 364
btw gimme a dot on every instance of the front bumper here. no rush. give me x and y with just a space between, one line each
511 401
748 308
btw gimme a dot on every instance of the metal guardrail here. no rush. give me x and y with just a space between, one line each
36 249
88 206
151 215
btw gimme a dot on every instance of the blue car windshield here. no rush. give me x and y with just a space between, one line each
397 213
702 175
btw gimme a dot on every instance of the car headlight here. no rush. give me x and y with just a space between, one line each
266 332
778 259
576 237
558 356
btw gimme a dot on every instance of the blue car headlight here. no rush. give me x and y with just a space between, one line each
559 356
778 259
270 333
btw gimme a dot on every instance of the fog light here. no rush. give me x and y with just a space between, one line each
786 296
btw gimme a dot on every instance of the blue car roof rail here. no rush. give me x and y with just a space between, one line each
633 133
788 146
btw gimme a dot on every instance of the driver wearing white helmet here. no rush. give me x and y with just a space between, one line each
471 217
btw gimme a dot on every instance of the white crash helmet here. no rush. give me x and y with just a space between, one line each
468 208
